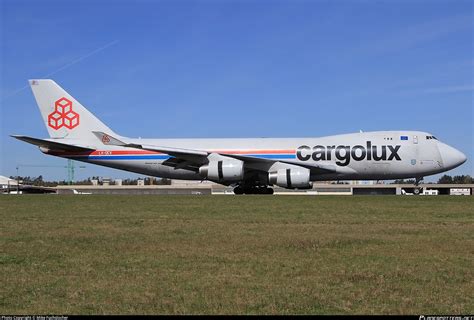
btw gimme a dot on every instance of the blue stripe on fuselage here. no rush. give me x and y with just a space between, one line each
165 157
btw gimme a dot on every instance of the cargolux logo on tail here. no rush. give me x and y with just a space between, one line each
63 115
105 139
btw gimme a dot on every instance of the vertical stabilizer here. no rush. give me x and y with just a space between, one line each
64 116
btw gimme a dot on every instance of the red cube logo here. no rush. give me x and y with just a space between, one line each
63 115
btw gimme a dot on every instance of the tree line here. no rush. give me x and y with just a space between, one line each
446 179
39 181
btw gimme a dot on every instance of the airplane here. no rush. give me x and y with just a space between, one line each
251 166
74 191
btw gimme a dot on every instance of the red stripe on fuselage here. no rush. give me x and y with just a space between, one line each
145 152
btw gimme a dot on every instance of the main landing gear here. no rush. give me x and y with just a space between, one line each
252 190
417 189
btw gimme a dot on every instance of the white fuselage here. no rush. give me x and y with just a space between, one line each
371 155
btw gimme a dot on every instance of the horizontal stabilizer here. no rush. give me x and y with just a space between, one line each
52 145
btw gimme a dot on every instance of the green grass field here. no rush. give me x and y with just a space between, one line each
236 255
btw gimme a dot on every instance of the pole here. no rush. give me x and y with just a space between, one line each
70 171
17 180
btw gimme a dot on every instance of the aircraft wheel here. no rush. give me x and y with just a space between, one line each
238 190
254 191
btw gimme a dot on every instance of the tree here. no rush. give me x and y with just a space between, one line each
445 179
163 181
462 179
403 181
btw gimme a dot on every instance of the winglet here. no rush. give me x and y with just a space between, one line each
108 140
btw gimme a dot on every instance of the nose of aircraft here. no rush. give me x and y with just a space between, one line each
451 157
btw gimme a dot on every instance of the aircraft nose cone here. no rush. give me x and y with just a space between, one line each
451 157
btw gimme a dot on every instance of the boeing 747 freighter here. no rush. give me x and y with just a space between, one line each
252 166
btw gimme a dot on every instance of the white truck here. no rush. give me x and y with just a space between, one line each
421 192
460 191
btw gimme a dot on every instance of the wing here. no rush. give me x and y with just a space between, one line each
194 158
185 154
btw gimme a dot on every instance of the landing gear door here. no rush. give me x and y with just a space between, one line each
415 139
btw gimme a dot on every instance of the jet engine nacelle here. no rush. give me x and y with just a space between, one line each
227 169
291 178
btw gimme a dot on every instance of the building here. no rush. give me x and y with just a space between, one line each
8 185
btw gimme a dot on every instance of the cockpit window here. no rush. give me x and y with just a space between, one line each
431 137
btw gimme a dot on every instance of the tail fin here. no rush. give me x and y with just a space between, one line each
64 116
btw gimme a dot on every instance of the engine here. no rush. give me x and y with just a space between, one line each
227 169
291 178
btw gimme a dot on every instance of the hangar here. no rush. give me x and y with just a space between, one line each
11 186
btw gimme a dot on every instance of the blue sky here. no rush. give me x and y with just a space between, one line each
239 69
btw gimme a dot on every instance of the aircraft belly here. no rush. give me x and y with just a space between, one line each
150 168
